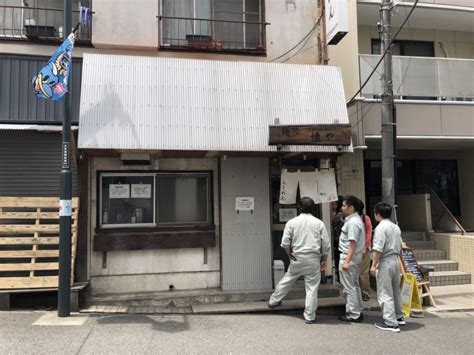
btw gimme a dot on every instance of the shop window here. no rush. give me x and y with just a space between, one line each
127 200
154 199
184 199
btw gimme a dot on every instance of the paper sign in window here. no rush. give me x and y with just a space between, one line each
285 214
141 191
119 191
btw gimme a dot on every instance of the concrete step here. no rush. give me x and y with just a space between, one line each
429 254
445 278
440 265
188 298
421 244
413 235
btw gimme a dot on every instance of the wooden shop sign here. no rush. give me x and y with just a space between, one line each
322 134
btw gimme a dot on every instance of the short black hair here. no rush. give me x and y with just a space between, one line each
352 201
360 207
383 209
306 205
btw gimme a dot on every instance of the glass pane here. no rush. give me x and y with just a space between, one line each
127 199
183 199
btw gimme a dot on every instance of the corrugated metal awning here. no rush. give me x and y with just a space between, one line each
150 103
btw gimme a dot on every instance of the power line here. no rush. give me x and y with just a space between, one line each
304 44
383 55
301 41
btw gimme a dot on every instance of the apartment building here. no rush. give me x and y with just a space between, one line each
432 71
173 100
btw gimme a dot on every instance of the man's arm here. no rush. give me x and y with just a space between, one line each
375 261
350 253
289 252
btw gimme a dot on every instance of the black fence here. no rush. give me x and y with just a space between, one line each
38 24
212 35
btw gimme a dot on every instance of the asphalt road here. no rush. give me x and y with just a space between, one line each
447 333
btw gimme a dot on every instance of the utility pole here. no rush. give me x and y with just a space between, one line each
65 210
388 123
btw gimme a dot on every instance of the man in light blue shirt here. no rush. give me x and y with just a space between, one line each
351 246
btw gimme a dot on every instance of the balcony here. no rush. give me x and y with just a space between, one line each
212 35
44 24
422 78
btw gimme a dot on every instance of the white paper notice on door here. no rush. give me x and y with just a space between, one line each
288 187
327 188
285 214
244 203
141 191
119 191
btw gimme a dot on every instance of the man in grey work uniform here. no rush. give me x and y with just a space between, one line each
351 246
386 247
306 242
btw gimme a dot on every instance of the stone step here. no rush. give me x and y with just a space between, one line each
184 299
440 265
429 254
445 278
412 235
421 244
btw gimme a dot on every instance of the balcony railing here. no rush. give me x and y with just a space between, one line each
422 78
212 35
37 23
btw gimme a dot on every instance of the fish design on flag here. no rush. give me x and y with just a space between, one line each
52 81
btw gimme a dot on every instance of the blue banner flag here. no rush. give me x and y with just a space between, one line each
52 81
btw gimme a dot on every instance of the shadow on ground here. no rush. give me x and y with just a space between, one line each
177 325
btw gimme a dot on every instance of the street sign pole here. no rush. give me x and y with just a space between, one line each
65 210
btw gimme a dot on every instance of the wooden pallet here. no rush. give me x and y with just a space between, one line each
29 241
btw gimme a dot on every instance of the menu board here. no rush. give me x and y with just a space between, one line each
410 264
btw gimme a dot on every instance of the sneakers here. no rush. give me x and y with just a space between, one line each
345 318
365 297
271 306
401 321
309 321
390 328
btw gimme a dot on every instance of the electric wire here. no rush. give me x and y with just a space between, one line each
301 41
383 55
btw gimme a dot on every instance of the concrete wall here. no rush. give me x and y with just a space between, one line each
345 53
466 188
153 270
451 44
458 248
428 119
414 212
350 174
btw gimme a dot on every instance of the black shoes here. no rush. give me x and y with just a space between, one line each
390 328
345 318
401 321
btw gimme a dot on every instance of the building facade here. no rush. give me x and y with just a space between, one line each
160 185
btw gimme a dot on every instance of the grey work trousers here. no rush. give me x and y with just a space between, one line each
388 289
351 288
309 267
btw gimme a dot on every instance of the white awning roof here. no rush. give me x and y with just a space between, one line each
150 103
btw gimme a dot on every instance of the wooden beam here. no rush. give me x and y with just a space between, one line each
322 134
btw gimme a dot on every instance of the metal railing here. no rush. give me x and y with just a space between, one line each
421 78
442 218
37 23
212 35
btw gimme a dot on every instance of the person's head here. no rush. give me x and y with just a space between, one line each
382 211
306 205
360 207
349 205
336 205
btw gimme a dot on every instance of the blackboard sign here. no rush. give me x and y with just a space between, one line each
410 264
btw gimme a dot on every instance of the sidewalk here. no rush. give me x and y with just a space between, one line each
448 299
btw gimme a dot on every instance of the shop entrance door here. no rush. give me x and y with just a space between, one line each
246 234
